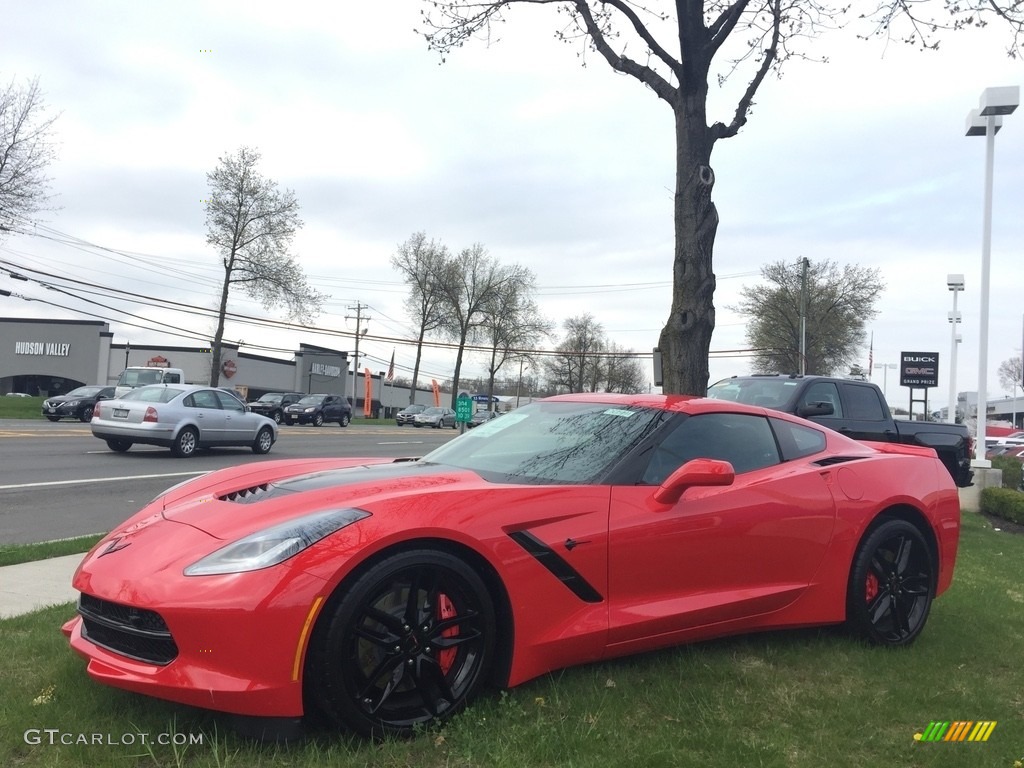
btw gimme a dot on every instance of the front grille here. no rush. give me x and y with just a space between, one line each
134 632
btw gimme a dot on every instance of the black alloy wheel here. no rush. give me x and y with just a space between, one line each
278 417
410 641
892 585
86 414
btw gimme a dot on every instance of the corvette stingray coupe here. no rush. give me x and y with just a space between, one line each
383 594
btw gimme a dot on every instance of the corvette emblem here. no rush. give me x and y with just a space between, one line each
114 546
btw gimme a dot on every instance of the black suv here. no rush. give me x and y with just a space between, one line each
76 404
316 409
273 404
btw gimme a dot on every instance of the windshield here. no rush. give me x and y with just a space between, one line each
550 442
766 393
312 400
270 399
84 391
137 378
162 394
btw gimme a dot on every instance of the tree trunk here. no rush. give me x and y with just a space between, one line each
686 338
218 337
416 367
458 367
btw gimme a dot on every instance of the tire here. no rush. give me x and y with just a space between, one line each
382 665
345 420
278 417
51 417
318 420
455 424
892 585
437 424
118 446
186 443
264 440
288 422
86 414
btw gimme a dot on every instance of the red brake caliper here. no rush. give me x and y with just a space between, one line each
446 610
870 588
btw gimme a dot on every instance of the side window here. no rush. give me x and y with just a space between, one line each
823 392
229 403
797 440
204 398
862 403
172 378
744 441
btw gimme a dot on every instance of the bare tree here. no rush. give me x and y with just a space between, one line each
623 371
251 225
1011 375
422 265
671 48
470 283
839 302
511 321
26 150
577 364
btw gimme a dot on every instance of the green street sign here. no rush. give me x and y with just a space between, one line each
463 408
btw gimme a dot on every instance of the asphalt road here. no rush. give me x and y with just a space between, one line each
58 481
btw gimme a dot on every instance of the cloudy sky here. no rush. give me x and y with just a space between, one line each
566 169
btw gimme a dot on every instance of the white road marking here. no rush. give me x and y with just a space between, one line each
99 480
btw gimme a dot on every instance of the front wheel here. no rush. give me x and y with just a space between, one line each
86 414
118 446
185 443
891 585
318 420
264 439
408 642
278 417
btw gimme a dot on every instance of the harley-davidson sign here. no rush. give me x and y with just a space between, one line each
229 368
919 369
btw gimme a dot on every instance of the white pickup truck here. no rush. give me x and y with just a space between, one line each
139 376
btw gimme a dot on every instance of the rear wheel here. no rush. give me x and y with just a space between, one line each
120 446
264 440
408 642
345 420
185 443
892 585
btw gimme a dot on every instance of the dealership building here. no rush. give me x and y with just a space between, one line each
52 357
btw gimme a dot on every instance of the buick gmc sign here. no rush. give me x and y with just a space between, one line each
919 369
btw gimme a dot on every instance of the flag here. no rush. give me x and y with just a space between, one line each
368 392
391 368
871 355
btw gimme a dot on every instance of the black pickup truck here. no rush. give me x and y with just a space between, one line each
857 409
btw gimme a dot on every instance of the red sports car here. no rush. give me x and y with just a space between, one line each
384 594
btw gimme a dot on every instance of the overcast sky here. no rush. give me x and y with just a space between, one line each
565 169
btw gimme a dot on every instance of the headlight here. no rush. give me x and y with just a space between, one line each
310 410
72 404
276 544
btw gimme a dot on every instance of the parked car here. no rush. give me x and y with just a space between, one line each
386 593
182 417
76 404
481 417
316 409
855 408
435 417
273 404
405 416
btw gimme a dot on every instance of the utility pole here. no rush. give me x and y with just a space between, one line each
358 308
803 316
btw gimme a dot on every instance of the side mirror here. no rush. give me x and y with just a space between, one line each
815 409
697 472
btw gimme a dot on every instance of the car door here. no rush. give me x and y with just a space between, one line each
865 415
239 425
203 407
719 553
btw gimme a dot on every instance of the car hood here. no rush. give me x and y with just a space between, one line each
233 503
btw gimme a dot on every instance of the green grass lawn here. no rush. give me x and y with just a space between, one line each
807 698
21 407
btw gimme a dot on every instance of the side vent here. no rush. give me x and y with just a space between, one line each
830 460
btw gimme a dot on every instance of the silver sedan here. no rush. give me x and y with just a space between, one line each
181 417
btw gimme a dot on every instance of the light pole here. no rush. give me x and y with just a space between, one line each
885 378
955 283
986 121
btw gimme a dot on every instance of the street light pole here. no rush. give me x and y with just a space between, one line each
994 103
955 283
885 378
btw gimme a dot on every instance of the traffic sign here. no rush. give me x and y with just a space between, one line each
463 408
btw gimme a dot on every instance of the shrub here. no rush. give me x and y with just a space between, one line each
1011 470
1003 502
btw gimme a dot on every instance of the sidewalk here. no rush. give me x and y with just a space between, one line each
29 586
